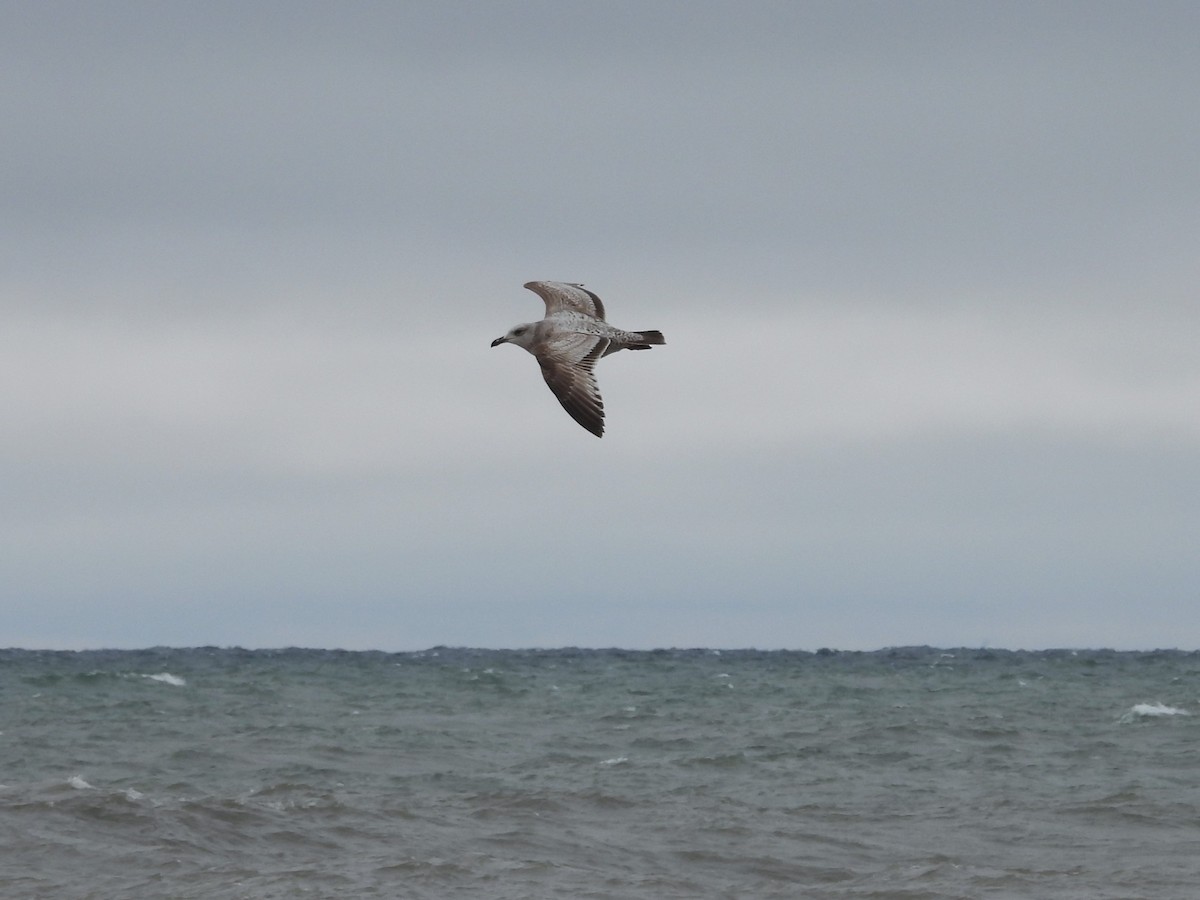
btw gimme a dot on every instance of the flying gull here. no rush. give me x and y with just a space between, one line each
569 341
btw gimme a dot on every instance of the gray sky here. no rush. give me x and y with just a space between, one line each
927 271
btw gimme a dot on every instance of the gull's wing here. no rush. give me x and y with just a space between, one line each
560 295
567 363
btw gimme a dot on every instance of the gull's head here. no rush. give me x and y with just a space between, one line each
521 335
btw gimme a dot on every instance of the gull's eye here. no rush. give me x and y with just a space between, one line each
520 330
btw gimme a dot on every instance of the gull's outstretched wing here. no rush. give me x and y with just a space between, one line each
567 362
560 295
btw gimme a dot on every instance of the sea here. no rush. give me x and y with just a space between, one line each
898 774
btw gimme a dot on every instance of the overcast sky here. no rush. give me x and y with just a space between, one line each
928 273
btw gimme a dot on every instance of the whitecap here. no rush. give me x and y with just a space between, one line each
615 761
167 678
1151 711
78 783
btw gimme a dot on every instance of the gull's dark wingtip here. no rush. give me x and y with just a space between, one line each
592 419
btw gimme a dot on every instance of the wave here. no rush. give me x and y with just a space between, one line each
167 678
1151 711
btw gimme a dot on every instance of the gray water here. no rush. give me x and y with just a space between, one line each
911 773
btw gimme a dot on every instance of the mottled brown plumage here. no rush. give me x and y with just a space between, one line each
569 341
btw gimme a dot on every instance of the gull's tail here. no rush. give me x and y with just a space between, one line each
643 340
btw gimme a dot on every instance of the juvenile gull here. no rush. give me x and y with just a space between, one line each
568 342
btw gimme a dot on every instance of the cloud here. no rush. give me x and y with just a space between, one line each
927 276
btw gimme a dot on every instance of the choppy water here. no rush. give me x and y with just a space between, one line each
912 773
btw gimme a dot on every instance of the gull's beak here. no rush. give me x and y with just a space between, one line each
498 341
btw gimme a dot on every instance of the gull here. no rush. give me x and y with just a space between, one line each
569 341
